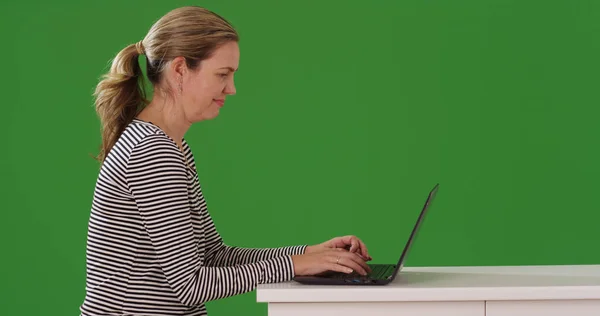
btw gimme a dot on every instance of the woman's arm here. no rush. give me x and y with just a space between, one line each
220 254
158 181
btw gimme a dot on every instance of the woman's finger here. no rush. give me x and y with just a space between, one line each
337 268
345 261
364 251
361 261
357 245
350 242
354 246
355 262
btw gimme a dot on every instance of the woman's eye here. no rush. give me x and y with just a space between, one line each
223 75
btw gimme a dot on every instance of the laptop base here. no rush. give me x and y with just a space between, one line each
339 278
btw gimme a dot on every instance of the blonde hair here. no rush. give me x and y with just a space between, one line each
191 32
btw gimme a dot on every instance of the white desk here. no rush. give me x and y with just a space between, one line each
449 291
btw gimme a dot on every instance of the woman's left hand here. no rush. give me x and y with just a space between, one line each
350 243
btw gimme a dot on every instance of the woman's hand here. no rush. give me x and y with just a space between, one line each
350 243
333 259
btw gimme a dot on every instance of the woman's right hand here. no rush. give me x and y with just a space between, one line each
337 259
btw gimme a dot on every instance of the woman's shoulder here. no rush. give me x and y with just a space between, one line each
142 150
143 138
139 130
145 134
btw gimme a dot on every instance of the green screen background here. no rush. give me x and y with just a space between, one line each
346 115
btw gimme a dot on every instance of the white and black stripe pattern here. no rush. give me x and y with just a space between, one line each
152 247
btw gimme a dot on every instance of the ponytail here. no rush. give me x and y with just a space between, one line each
119 96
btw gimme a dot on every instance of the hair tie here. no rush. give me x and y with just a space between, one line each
139 46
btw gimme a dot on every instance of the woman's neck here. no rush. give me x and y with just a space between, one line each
169 118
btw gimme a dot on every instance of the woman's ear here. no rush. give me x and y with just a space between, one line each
179 66
174 75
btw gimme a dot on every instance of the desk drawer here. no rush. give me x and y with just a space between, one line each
378 309
543 308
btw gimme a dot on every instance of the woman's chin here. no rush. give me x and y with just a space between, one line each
207 115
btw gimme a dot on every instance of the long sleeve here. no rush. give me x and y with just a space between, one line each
221 254
158 180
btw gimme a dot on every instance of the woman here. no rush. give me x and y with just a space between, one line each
152 247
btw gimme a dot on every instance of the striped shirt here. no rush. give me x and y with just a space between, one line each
152 247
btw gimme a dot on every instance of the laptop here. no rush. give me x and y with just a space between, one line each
381 274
